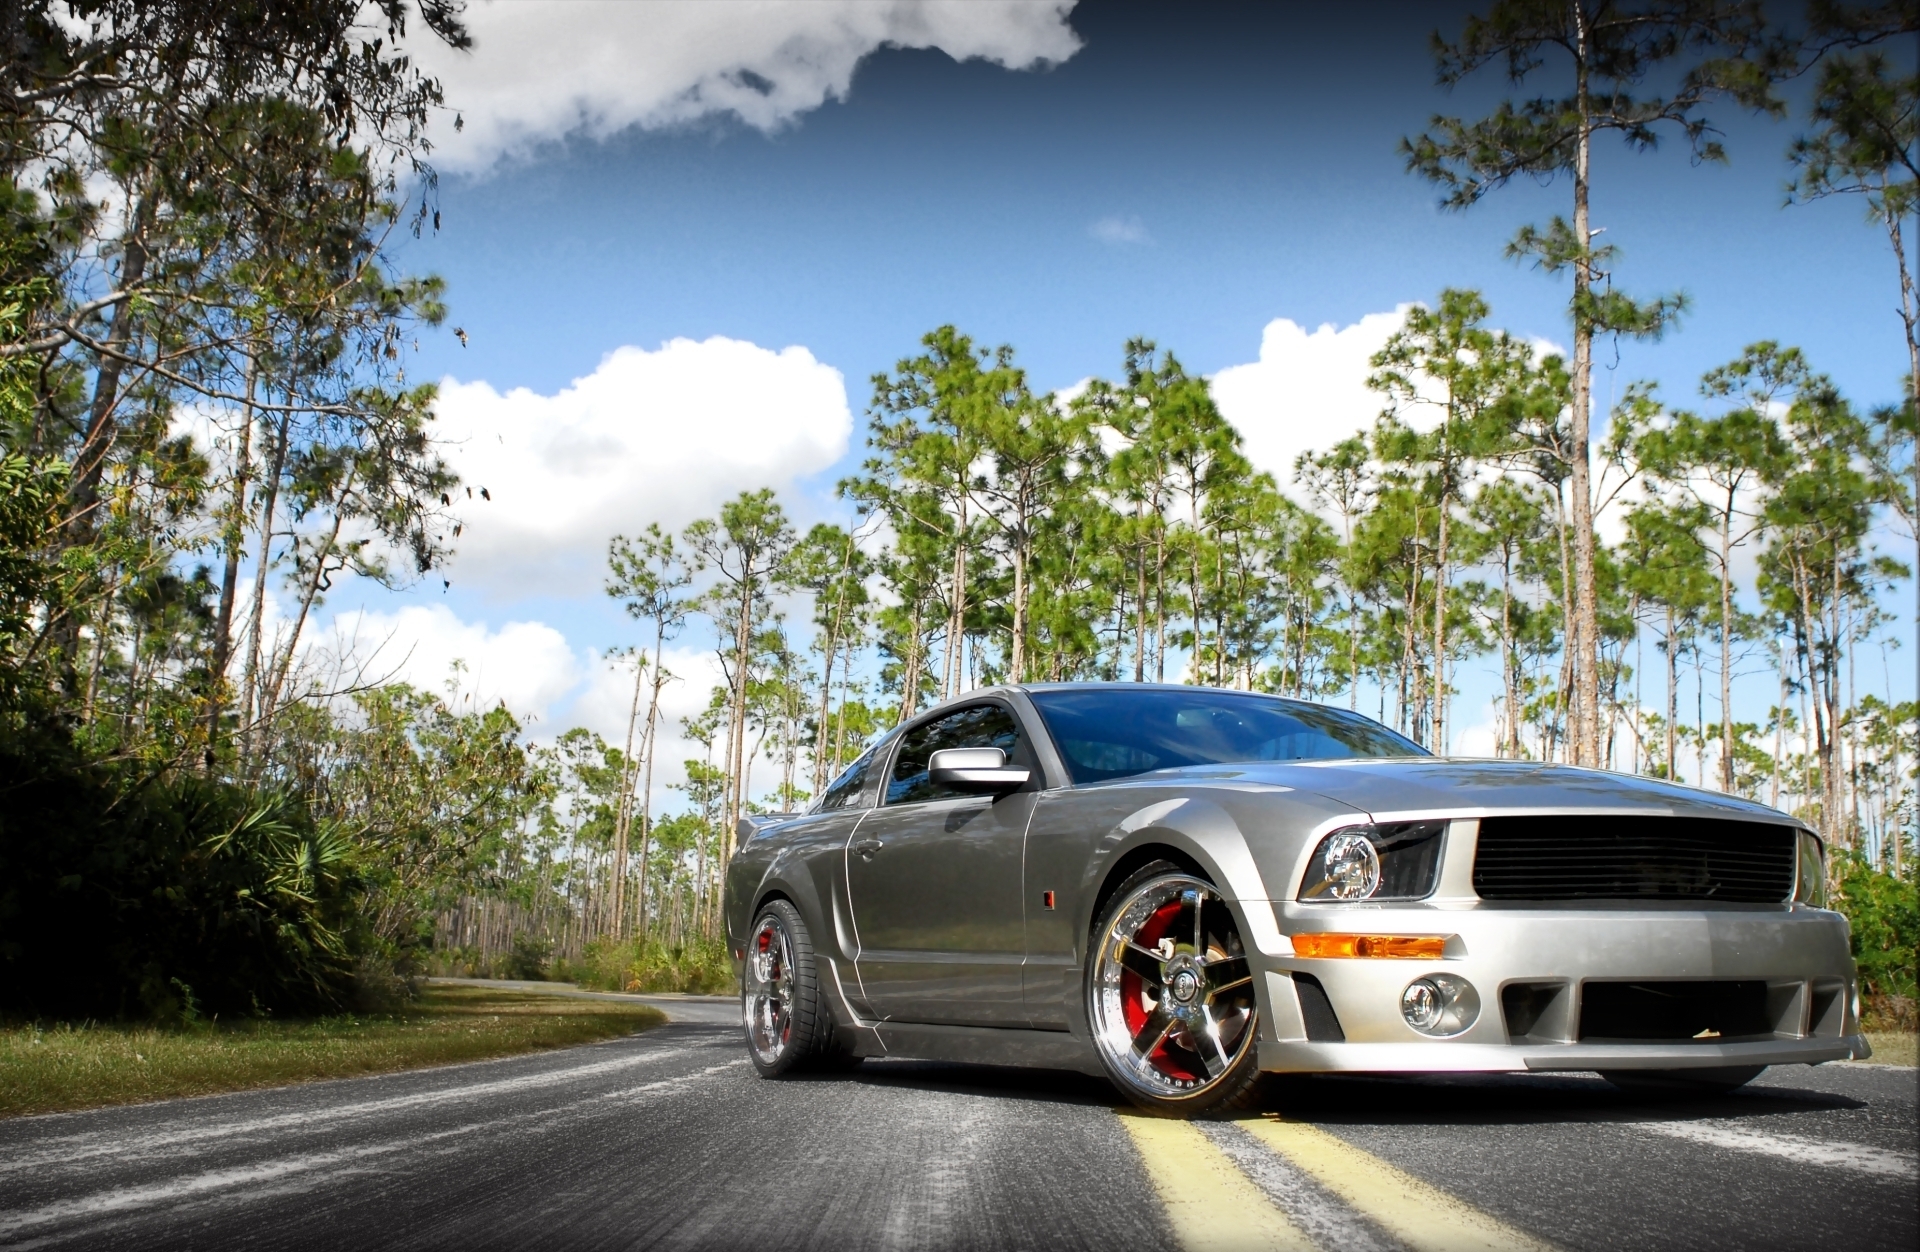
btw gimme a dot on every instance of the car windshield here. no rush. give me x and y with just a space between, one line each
1113 732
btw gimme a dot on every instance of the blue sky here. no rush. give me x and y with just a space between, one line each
1192 173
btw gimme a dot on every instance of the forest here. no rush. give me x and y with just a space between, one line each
206 427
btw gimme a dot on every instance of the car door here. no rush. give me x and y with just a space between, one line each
934 874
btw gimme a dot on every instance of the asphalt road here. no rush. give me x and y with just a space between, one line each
667 1139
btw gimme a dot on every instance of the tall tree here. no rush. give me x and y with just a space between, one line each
1033 447
650 577
748 549
1337 479
930 421
1724 463
1447 359
830 565
1609 49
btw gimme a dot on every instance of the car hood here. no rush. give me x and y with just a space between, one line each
1412 785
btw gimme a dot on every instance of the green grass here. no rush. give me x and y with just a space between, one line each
1893 1047
58 1068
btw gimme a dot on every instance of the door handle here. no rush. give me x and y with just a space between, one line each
866 848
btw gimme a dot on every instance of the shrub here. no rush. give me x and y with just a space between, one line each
1883 913
527 958
171 897
697 967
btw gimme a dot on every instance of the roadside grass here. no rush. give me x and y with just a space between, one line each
1894 1047
45 1069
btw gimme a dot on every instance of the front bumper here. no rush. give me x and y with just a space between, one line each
1530 968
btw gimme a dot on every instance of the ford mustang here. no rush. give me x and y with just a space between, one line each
1182 888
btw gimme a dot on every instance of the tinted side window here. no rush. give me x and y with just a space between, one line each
849 791
981 726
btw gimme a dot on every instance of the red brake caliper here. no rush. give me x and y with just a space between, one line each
1133 1006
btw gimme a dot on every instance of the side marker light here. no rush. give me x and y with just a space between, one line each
1407 947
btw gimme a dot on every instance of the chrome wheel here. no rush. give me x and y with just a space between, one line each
767 991
1172 994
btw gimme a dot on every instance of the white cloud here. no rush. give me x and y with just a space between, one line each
540 72
1308 391
649 436
528 666
1120 230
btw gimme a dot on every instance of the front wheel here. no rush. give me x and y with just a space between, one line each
1170 995
788 1024
1681 1083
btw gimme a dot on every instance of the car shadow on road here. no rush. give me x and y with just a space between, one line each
1048 1086
1521 1099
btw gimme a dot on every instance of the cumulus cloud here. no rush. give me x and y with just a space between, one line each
1308 390
1120 230
649 436
528 666
541 72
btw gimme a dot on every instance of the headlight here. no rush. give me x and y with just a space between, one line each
1810 883
1395 862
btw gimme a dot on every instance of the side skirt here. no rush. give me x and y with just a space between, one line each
974 1045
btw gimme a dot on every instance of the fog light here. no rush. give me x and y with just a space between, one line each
1440 1004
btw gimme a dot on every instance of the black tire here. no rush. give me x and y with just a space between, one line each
1184 1081
1680 1084
788 1025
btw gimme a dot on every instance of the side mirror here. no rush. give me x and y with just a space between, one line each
974 769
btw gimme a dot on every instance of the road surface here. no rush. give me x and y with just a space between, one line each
668 1140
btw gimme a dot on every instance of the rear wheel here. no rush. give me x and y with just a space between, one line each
789 1026
1170 995
1680 1083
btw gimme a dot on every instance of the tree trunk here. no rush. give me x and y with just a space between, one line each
1440 633
102 423
953 671
1726 646
623 818
1140 602
1019 658
1910 323
1586 739
233 539
278 672
1673 699
1508 673
648 743
910 681
262 568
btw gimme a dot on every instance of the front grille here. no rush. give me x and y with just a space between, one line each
1629 857
1673 1012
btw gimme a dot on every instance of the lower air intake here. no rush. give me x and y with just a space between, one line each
1673 1012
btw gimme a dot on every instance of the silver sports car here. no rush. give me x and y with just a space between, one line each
1181 888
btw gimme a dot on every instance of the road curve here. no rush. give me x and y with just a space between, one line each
667 1139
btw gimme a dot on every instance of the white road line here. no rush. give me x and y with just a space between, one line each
308 1170
1858 1157
107 1202
120 1143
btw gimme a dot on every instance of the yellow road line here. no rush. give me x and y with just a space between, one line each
1210 1204
1425 1218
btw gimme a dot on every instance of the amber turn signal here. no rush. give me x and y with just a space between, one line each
1426 947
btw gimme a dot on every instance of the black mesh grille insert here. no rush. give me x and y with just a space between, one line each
1672 1012
1630 857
